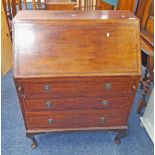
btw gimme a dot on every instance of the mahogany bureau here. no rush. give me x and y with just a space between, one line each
76 70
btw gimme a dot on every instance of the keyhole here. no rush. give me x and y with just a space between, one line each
77 27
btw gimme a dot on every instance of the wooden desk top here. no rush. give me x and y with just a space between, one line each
91 43
117 15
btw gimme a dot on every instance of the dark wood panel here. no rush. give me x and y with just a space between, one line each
113 105
73 119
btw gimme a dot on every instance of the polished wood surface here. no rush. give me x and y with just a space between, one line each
150 25
88 5
147 47
74 119
71 73
105 6
103 128
146 13
60 5
116 105
144 10
109 15
86 87
68 58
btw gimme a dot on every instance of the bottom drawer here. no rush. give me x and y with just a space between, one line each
73 119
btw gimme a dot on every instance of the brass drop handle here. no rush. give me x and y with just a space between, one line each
105 103
108 86
50 121
48 104
77 27
102 120
19 88
20 91
24 96
47 88
133 87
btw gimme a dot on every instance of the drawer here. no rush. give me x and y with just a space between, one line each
115 104
73 119
95 87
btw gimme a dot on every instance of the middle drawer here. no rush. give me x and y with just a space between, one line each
116 104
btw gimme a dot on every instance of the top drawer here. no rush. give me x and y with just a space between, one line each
76 87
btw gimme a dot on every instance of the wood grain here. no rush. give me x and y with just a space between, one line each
86 87
60 5
127 5
94 49
105 6
116 104
146 13
150 25
147 47
72 119
44 15
103 128
7 55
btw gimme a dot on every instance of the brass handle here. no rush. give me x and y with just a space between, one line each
20 92
47 88
77 27
24 96
19 88
49 104
50 121
133 87
102 120
108 86
105 103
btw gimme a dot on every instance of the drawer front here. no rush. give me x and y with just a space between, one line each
73 119
77 88
114 104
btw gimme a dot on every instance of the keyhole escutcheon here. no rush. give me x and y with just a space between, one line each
77 27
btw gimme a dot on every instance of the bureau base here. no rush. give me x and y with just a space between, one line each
121 132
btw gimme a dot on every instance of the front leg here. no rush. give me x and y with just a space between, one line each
34 142
121 133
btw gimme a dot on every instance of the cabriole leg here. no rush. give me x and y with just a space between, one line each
120 134
34 142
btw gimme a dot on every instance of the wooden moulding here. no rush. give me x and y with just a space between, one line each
79 129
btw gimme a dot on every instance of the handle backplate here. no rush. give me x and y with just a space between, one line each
108 86
105 103
102 120
48 104
50 121
47 88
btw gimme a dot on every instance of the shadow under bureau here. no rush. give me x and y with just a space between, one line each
76 70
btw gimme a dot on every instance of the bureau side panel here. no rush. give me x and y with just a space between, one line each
21 97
